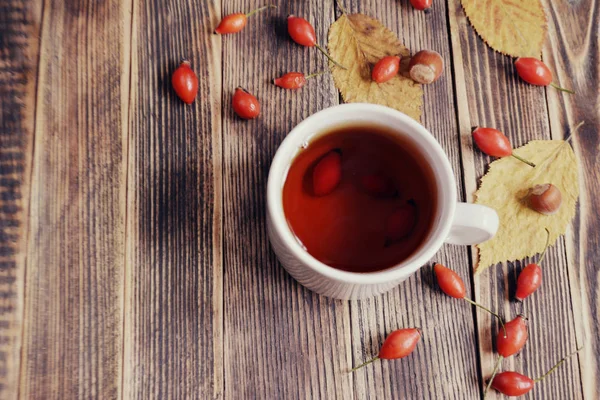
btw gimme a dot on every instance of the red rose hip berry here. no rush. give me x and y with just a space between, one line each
327 173
185 82
386 69
244 104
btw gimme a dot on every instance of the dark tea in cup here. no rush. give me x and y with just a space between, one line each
360 198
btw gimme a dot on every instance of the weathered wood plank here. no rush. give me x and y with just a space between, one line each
173 275
445 363
72 338
572 52
19 46
489 93
281 340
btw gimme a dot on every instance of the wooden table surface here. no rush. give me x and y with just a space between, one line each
134 261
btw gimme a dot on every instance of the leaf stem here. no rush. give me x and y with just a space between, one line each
545 248
558 364
488 310
251 13
328 56
365 363
342 9
555 86
494 372
523 160
315 74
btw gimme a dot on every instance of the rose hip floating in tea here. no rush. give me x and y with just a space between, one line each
303 33
378 185
244 104
234 23
185 82
327 173
535 72
398 344
494 143
401 223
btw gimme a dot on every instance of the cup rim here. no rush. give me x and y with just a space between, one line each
292 143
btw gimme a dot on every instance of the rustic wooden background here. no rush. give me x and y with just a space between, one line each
134 261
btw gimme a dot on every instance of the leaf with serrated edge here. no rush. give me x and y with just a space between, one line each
358 42
505 188
516 28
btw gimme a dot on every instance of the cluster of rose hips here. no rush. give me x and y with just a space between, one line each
509 341
425 67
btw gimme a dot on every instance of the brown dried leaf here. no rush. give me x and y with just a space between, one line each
505 188
512 27
358 42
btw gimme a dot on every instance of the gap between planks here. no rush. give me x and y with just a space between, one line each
126 123
36 38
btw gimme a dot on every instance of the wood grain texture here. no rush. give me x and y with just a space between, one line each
19 45
74 279
173 275
573 53
134 259
489 93
281 340
445 362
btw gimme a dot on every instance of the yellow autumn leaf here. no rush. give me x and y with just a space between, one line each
517 28
358 42
505 188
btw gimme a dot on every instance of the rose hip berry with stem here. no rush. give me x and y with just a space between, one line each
234 23
453 286
494 143
185 82
386 69
327 173
512 383
422 5
294 80
245 104
303 33
514 338
398 344
530 279
535 72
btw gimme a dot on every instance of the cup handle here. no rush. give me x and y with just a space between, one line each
473 224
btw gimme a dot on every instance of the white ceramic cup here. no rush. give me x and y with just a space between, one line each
455 223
